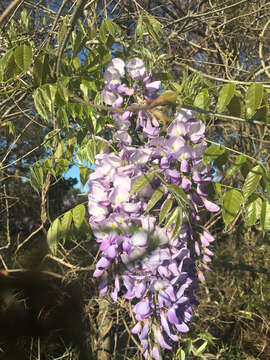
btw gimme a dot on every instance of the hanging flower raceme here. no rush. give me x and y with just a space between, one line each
144 206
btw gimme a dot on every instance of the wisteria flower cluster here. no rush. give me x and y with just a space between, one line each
144 205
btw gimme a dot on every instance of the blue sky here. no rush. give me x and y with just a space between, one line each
74 172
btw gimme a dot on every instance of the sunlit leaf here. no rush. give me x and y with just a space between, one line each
252 180
84 174
212 153
154 199
141 182
265 216
36 177
53 235
254 96
23 57
236 165
236 106
164 210
232 201
171 217
78 214
225 96
66 223
178 223
178 192
253 210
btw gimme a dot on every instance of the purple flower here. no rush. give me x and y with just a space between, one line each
158 275
155 353
112 75
119 65
142 309
124 90
210 206
137 328
196 131
136 68
153 86
161 339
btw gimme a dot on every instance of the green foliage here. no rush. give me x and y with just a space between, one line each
231 203
44 98
154 199
253 209
78 215
165 208
141 182
23 57
265 215
37 177
213 152
178 193
254 96
8 66
65 225
178 222
225 96
252 180
53 235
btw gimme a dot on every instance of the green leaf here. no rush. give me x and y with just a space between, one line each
221 160
61 118
9 68
178 223
61 97
139 29
61 165
44 97
62 30
265 216
212 153
40 104
182 355
48 166
171 217
59 151
236 106
66 222
23 57
53 235
246 167
201 349
103 32
165 208
253 210
155 198
232 201
217 187
254 96
41 69
84 174
262 112
178 192
239 161
154 28
225 96
202 100
141 182
109 25
252 180
78 214
36 177
79 40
